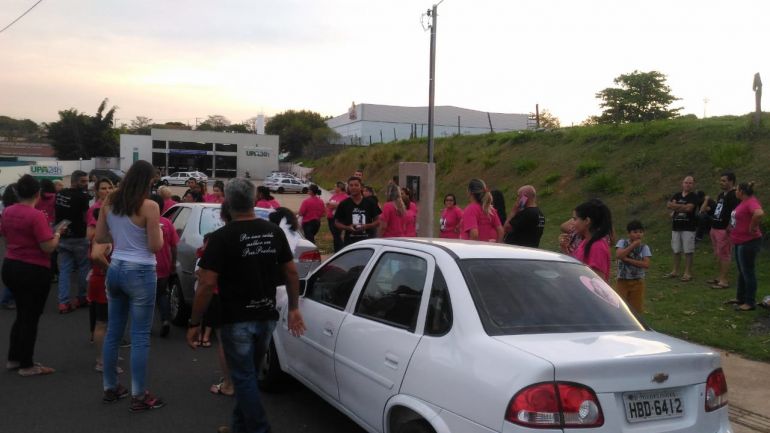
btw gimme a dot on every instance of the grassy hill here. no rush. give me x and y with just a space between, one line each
634 169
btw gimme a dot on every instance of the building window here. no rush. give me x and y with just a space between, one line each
226 166
159 160
158 144
222 147
189 145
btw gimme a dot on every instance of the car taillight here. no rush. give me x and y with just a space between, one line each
716 390
555 404
310 256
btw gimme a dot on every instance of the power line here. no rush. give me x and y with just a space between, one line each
21 16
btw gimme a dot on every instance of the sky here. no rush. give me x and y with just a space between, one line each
176 60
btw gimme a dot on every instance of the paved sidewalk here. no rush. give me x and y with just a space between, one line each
748 384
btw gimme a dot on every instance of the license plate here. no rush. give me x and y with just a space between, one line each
652 405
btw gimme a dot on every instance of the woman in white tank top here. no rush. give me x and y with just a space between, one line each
130 221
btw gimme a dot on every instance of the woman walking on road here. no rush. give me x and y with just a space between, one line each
311 211
747 239
27 272
130 220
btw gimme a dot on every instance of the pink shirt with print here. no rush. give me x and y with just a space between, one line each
742 215
311 209
24 228
475 218
598 257
163 256
450 219
394 222
336 199
47 205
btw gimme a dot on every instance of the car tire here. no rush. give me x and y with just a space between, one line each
180 311
304 190
270 376
164 182
280 190
415 426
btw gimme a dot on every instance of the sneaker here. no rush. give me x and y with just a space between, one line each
113 395
148 402
165 329
66 308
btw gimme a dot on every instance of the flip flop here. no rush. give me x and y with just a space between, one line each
205 343
671 275
686 278
217 389
714 281
720 286
36 370
744 307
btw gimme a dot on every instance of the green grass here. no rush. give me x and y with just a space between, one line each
634 169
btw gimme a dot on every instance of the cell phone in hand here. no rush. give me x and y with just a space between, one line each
522 202
62 225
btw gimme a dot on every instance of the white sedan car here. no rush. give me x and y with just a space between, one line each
421 335
181 177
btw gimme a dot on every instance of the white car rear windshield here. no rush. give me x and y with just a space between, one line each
533 297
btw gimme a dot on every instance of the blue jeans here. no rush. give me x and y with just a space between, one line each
130 291
245 345
746 257
7 298
73 252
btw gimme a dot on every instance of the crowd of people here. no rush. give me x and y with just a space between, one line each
124 253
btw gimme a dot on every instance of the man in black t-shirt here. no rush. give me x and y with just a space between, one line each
356 216
683 221
72 204
720 219
247 258
526 222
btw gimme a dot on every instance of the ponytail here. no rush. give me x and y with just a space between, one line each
486 203
394 195
479 191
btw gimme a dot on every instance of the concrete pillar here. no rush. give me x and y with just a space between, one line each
420 177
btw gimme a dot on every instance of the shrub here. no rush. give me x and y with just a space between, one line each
728 155
587 168
552 178
524 166
605 184
520 138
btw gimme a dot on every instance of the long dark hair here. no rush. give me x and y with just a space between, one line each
498 202
601 220
133 189
283 212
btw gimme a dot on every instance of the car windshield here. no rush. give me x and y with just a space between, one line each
533 297
210 219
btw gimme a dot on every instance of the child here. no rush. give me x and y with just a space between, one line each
633 259
593 222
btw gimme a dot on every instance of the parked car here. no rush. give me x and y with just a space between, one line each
433 336
284 185
113 174
181 177
192 221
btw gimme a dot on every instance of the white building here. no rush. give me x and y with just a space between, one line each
372 123
218 154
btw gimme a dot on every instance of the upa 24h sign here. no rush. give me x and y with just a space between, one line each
46 170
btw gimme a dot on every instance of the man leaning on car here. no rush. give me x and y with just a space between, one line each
248 313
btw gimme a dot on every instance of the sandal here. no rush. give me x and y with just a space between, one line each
686 278
714 281
744 307
720 286
217 389
205 343
671 275
36 370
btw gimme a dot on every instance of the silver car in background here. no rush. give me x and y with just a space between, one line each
192 221
286 184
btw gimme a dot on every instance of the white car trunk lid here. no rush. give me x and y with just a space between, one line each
619 362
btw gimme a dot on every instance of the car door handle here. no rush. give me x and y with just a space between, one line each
391 361
329 332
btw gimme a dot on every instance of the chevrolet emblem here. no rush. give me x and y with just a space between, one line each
660 378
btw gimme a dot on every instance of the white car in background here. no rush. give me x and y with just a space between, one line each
437 336
181 177
284 184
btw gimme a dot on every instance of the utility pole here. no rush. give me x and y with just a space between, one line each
433 15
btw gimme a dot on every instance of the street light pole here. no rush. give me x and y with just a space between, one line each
432 13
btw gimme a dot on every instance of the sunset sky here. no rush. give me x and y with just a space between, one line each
178 60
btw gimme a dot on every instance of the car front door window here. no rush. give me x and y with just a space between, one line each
333 284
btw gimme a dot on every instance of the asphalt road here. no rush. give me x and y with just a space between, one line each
70 399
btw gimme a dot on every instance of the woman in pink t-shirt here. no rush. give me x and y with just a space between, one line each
392 218
480 220
47 202
410 223
747 238
451 219
265 199
218 193
312 210
26 272
593 222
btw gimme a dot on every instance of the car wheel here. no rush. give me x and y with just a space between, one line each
304 190
415 426
180 311
164 182
280 190
270 374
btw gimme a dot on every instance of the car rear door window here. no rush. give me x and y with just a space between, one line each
393 292
210 220
334 282
532 297
181 219
439 318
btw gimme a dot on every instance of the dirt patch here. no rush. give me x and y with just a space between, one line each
761 326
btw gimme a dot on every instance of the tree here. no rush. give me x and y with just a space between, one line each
215 122
548 120
78 135
297 129
640 97
141 125
12 129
